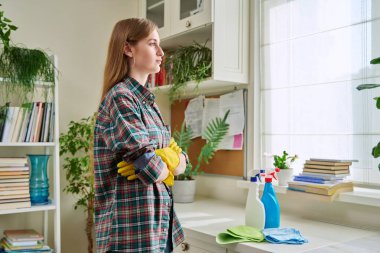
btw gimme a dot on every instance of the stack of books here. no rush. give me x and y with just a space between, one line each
323 177
14 183
27 240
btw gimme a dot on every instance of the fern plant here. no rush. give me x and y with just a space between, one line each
215 131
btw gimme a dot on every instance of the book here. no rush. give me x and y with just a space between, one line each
18 196
13 180
17 125
324 167
334 172
13 173
12 160
28 109
22 244
24 204
324 176
323 189
13 123
38 122
22 235
332 160
3 116
314 180
7 124
17 192
328 163
3 201
21 184
31 122
52 122
15 168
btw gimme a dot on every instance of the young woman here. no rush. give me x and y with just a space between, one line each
134 157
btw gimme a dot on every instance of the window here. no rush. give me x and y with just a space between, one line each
313 55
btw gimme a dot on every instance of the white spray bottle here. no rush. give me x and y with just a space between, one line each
254 209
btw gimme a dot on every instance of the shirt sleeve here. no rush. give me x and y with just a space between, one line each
127 135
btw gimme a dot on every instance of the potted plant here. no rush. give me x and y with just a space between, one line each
21 67
186 64
375 149
185 185
77 147
283 162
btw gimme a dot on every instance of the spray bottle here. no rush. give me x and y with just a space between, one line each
269 199
254 209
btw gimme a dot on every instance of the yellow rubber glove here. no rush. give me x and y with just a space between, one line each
127 170
169 155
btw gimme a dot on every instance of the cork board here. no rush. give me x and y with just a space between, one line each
225 162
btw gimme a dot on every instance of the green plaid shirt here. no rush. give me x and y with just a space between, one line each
131 216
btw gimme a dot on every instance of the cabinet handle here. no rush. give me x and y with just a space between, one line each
185 246
188 24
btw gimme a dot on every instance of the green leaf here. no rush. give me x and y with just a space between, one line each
376 151
377 102
375 61
367 86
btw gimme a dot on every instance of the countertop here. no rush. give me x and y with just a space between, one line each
206 217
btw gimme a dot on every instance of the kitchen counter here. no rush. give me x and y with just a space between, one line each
203 219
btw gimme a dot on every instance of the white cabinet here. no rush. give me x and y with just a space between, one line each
9 149
223 24
176 16
159 12
192 245
190 14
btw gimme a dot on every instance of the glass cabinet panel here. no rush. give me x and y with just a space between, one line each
155 11
190 7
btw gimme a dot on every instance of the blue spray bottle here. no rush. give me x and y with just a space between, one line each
269 199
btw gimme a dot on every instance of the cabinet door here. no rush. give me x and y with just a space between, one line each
189 14
158 12
230 41
196 246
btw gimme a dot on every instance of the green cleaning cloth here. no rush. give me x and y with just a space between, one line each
240 234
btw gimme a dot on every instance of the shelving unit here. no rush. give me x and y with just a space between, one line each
51 148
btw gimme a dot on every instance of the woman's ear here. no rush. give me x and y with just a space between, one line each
128 50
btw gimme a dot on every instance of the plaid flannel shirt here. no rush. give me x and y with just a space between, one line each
131 216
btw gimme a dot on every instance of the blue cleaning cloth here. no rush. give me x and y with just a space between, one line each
283 235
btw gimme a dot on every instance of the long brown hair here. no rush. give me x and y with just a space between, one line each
130 30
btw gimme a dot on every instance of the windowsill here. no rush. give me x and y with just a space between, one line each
360 195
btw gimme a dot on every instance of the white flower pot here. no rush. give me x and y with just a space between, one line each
184 191
284 176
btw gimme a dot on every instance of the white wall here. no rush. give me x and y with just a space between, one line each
78 33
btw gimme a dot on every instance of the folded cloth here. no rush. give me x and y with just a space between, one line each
240 234
283 235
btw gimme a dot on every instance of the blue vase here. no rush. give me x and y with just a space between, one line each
38 181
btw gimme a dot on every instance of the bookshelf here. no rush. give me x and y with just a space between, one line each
50 148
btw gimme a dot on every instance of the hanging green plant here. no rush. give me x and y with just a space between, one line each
190 63
21 68
5 29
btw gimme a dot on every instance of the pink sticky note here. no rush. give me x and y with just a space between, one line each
238 141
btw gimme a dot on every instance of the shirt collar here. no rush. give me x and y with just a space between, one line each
140 90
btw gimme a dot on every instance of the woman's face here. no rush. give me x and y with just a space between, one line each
148 54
